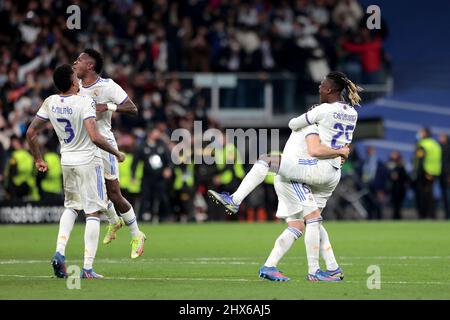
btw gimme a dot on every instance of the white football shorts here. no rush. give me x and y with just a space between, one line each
312 171
110 163
296 200
84 187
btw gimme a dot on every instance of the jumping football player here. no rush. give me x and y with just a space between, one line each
73 117
298 202
110 97
336 120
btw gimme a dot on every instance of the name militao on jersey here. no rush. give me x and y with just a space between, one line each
67 114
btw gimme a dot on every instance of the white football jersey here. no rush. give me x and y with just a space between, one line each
67 114
336 123
105 91
296 147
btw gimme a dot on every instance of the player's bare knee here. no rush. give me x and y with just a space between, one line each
93 214
115 197
313 215
297 224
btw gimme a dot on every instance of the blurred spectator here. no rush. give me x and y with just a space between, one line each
130 187
427 169
20 175
155 179
347 14
444 178
373 176
183 190
369 49
49 183
230 169
397 183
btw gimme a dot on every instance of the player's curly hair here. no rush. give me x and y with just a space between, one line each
94 54
348 89
62 77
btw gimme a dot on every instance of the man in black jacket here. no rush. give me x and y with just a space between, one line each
157 171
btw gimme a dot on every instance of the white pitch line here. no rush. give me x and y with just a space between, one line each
224 280
223 259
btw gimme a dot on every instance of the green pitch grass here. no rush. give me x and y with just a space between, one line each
221 261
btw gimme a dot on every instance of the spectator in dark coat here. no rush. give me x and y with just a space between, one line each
373 176
397 183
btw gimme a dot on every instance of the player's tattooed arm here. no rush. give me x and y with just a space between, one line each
127 107
100 141
32 138
316 149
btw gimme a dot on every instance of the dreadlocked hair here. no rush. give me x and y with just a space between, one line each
348 89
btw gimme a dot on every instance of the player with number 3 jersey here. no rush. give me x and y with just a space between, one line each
109 98
73 117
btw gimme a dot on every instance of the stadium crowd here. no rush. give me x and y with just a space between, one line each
145 44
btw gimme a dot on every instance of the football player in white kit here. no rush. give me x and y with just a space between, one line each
110 97
73 117
331 125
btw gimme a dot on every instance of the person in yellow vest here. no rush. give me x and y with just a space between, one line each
230 169
184 190
49 183
20 174
427 168
131 188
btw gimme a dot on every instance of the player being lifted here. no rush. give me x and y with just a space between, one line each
110 97
74 119
336 121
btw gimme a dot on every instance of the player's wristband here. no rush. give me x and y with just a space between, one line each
112 107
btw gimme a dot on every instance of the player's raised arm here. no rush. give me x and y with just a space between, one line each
39 122
127 107
318 150
308 118
119 101
99 140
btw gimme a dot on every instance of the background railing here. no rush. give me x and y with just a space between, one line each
261 99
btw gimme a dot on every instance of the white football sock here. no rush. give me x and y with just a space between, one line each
282 245
326 251
111 214
253 178
312 244
91 235
66 223
130 220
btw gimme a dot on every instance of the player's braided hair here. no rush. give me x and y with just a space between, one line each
348 89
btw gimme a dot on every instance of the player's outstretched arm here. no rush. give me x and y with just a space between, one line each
99 140
127 107
32 136
314 115
318 150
